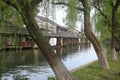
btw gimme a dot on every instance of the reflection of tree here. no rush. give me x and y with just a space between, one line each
2 62
70 50
14 58
25 57
36 57
84 47
39 58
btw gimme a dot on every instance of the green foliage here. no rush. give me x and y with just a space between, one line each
107 8
29 1
72 13
9 14
102 24
51 78
103 28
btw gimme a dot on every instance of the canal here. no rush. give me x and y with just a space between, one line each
31 64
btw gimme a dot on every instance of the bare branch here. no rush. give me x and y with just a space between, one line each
66 4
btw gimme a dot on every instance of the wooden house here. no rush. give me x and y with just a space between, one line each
15 37
62 34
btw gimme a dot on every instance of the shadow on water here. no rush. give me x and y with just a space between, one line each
31 64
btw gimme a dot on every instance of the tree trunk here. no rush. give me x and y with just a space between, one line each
113 51
58 67
114 25
89 34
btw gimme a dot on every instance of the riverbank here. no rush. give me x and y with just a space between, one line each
74 70
93 72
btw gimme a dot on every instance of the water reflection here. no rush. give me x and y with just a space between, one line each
31 64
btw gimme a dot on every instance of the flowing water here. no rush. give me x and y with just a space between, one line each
31 64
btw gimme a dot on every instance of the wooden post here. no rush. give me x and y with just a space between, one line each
61 41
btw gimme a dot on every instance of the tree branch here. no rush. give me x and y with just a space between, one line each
34 3
66 4
101 12
80 0
116 5
79 31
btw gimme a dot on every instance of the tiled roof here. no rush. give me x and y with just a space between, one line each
50 21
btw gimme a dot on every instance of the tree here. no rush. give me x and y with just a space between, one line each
25 9
114 27
89 34
111 20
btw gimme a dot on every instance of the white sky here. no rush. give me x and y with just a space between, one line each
60 14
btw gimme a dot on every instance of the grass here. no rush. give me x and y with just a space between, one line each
93 72
51 78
